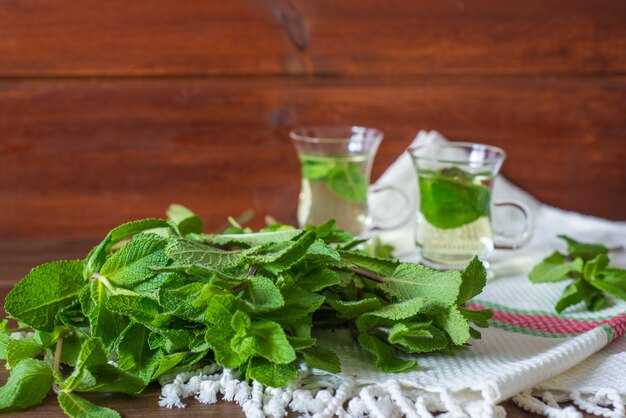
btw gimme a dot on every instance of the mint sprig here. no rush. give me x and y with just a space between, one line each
587 265
156 296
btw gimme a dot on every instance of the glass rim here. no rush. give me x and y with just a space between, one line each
501 154
300 134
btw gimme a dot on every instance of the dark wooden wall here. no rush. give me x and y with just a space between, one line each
111 110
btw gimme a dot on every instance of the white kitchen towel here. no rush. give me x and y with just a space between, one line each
528 353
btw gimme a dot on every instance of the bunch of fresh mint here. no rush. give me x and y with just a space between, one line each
587 265
156 296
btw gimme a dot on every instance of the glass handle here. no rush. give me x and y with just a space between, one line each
519 240
406 214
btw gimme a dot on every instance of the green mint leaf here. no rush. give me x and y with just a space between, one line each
151 286
473 280
595 300
377 248
105 324
595 267
330 233
322 358
72 343
186 221
135 355
37 298
315 168
318 279
71 315
279 256
322 254
27 386
480 317
220 333
171 340
133 263
586 251
262 295
380 266
4 342
299 303
452 199
348 182
18 350
187 300
454 323
354 309
197 272
386 358
611 281
92 353
555 268
391 313
271 374
138 307
93 373
277 226
300 343
170 362
265 338
191 253
411 281
574 293
76 407
418 337
97 256
253 239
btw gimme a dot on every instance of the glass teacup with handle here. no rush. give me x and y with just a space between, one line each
454 220
336 163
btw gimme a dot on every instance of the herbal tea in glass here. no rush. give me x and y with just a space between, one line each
454 218
336 163
339 185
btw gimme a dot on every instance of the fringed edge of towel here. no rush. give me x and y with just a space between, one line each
603 402
323 395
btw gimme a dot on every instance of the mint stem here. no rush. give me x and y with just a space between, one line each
105 282
368 275
57 361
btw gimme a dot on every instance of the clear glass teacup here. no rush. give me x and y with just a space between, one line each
336 163
454 220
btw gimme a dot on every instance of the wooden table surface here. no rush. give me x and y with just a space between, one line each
17 257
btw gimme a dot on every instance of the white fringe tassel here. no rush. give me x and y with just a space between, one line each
317 394
604 402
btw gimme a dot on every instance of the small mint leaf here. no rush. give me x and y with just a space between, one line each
262 295
186 221
27 386
322 358
386 357
18 350
133 263
611 281
76 407
473 280
418 337
411 281
37 298
574 293
586 251
271 374
555 268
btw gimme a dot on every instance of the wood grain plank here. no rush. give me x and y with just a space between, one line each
80 156
42 38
